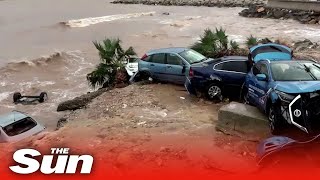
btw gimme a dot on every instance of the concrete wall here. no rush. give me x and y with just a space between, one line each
295 4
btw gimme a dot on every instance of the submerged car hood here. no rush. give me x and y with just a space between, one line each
298 86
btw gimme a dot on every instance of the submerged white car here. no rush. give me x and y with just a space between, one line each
16 126
131 65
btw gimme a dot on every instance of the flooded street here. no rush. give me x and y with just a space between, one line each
32 31
32 28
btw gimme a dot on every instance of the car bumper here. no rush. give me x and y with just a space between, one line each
189 87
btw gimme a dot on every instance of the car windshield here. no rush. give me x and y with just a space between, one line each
192 56
20 126
295 71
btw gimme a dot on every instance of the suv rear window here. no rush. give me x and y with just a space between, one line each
20 126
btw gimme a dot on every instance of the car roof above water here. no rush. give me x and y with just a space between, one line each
168 50
11 117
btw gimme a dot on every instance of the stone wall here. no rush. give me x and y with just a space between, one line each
209 3
306 17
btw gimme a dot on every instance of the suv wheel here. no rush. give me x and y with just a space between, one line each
214 91
16 97
275 120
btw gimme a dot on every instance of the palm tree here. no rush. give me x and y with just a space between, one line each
215 44
110 70
252 41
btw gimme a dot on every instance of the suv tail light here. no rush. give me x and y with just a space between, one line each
144 57
191 73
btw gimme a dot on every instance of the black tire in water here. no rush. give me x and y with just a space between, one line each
16 97
43 97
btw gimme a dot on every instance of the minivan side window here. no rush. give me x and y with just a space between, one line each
234 66
158 58
173 59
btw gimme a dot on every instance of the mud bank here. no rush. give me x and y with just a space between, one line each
208 3
305 17
155 124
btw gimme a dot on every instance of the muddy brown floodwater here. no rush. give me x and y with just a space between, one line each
32 31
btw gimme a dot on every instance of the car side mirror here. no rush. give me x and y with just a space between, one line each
261 77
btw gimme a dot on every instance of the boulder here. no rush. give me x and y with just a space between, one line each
277 14
243 120
81 101
302 45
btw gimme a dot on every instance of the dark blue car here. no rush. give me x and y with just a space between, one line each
287 91
217 77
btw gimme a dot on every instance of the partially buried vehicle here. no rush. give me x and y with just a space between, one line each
287 91
18 98
16 126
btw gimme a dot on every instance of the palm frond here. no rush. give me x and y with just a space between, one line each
112 57
251 41
100 75
222 38
234 45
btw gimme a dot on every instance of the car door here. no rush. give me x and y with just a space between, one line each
232 72
157 66
258 89
174 69
262 86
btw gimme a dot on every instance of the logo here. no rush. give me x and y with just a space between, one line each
64 163
297 113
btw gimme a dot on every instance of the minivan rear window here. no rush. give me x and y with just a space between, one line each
20 126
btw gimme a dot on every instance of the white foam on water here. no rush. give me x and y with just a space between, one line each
237 38
95 20
4 95
8 106
311 32
30 84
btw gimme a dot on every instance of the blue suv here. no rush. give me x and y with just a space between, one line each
287 91
169 64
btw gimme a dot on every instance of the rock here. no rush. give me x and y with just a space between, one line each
278 14
261 9
302 45
313 21
80 102
304 19
211 3
61 123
